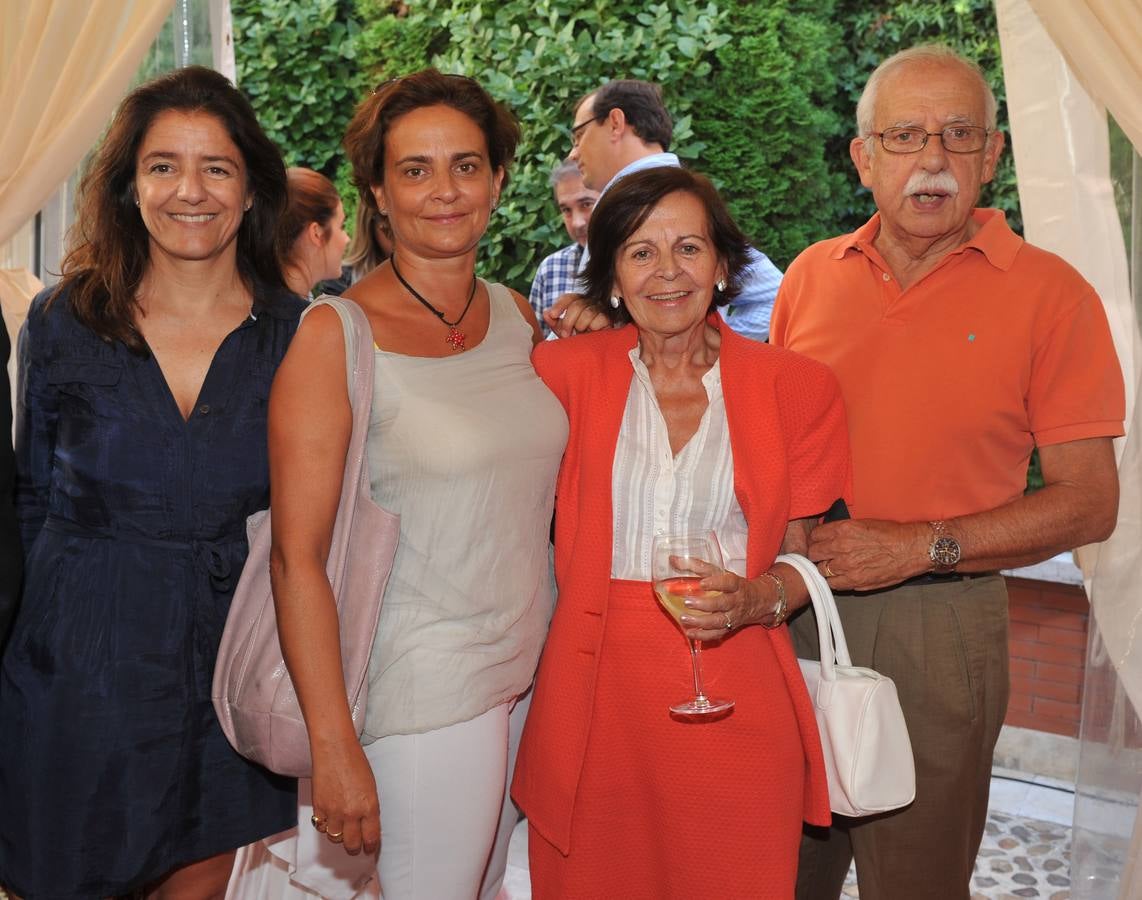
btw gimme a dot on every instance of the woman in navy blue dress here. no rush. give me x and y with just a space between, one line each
141 448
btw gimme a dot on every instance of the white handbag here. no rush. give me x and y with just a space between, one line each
868 756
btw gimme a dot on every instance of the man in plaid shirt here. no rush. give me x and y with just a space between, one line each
558 272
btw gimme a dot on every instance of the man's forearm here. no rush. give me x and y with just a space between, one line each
1034 527
1078 505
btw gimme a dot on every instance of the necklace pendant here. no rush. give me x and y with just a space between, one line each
455 339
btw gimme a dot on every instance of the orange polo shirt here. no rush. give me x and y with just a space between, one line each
950 384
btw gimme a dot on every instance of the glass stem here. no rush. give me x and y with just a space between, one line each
696 658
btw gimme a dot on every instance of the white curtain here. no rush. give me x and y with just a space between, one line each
1065 62
1102 41
64 64
222 39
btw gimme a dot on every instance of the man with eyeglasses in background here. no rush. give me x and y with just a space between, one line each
622 128
959 349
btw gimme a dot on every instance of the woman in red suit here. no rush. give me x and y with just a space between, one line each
677 423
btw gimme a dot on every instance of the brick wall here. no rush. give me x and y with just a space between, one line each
1048 652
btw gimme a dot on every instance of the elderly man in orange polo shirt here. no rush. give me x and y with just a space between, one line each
959 349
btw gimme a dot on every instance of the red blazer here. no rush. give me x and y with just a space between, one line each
791 460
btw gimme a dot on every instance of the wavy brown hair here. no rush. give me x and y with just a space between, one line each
109 251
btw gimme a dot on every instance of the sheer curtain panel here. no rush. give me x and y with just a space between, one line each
1065 63
64 65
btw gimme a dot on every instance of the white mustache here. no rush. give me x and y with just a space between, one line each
927 183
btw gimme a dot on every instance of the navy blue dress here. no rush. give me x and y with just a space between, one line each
113 768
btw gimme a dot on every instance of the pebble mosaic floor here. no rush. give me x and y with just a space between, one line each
1019 858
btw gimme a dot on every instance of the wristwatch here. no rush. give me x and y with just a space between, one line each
944 551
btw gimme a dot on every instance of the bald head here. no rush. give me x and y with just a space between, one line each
922 56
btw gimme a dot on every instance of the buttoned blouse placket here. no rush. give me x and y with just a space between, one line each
669 486
228 375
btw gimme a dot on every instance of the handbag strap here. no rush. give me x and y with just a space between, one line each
834 647
359 358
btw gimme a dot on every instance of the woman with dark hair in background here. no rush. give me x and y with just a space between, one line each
464 442
311 234
141 450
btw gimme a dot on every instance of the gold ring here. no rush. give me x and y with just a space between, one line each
829 573
729 621
316 821
334 836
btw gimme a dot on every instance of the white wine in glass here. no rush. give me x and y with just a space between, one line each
679 562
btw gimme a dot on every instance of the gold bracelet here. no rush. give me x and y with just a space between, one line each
779 611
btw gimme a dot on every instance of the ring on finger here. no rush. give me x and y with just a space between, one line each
729 622
335 836
829 573
317 821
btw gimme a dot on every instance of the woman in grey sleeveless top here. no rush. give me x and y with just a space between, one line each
464 444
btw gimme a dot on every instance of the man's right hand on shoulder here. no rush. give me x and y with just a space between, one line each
570 315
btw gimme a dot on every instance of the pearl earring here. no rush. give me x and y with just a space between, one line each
616 301
721 285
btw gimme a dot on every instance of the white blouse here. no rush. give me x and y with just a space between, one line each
655 492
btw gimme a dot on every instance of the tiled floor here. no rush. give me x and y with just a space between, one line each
1025 852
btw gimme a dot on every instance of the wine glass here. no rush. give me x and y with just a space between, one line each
678 563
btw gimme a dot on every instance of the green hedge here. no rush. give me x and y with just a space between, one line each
297 62
763 93
765 115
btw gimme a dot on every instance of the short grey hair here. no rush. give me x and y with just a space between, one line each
565 169
923 53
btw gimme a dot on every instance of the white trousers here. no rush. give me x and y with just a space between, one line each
446 822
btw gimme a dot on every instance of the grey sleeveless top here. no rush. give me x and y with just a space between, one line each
465 448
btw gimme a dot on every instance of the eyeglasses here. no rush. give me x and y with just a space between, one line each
577 130
955 138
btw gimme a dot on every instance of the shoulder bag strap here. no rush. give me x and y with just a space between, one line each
359 374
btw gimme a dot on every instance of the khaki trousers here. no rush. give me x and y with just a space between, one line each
944 644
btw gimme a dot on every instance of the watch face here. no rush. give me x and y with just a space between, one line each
945 550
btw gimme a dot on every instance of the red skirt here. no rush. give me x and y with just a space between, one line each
670 808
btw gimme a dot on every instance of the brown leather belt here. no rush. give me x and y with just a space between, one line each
944 577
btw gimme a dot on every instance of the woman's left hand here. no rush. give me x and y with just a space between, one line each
741 602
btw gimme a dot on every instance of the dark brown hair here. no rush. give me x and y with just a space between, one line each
623 208
109 243
641 103
365 137
311 197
